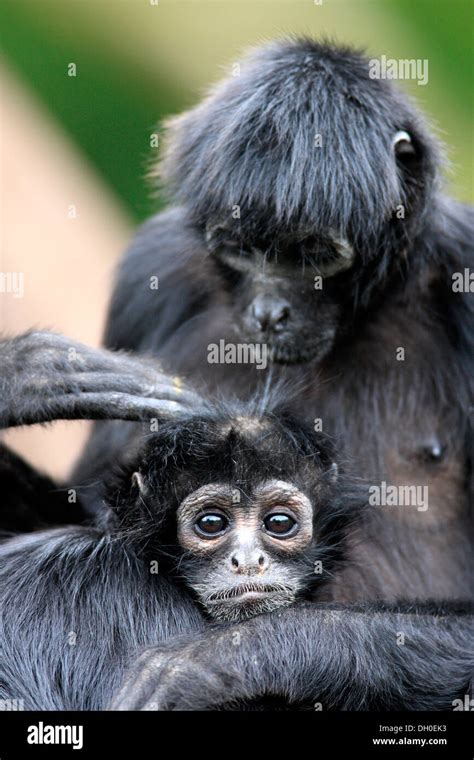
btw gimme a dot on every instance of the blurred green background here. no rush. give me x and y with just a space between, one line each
138 61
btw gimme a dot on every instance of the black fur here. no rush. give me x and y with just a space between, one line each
352 658
250 144
30 500
215 447
400 421
78 603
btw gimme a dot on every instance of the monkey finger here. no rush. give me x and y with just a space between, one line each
140 683
120 406
93 406
103 382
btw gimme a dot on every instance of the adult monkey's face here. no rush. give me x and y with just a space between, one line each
302 166
289 297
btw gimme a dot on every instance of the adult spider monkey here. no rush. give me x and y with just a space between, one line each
309 218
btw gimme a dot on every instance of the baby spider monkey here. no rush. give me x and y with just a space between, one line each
246 507
223 512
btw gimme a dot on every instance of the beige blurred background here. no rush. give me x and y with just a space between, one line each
67 262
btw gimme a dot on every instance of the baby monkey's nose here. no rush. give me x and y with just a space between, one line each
249 562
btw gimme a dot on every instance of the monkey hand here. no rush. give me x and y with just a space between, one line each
178 676
307 653
45 376
199 673
270 655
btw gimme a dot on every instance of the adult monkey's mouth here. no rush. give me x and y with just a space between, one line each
290 349
286 353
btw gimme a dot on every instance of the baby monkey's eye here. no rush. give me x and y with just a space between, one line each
279 524
211 524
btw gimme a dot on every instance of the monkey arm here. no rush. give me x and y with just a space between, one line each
75 605
342 658
46 377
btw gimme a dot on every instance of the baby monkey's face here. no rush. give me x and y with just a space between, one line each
244 553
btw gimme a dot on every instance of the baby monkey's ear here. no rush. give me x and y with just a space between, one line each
138 482
334 473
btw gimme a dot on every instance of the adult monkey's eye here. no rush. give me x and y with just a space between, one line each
342 256
279 524
403 145
219 237
211 524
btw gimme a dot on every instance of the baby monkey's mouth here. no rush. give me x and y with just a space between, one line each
246 600
248 590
